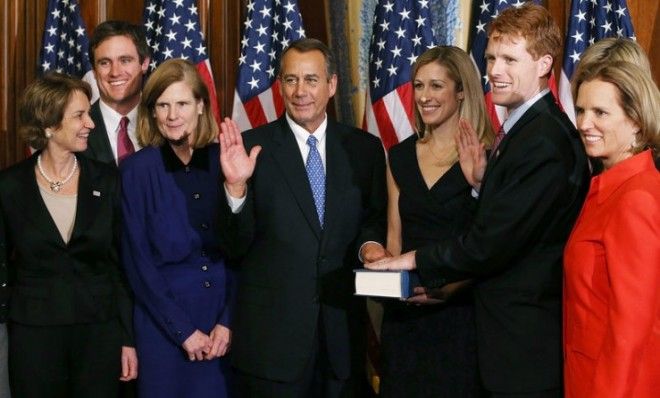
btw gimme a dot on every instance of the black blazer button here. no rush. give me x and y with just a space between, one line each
196 195
207 284
205 267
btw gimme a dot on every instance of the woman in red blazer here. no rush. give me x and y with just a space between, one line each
612 258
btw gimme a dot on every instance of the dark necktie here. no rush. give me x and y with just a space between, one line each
316 176
124 144
498 139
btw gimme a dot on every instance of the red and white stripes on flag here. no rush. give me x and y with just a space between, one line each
269 28
401 32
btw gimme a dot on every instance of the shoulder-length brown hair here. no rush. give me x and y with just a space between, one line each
168 73
43 103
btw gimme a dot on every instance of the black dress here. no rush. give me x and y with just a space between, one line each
429 351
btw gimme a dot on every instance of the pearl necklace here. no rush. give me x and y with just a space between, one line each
55 186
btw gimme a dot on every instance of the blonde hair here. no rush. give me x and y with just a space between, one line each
638 96
168 73
609 50
461 70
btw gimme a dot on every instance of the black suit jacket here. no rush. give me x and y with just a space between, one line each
294 274
531 194
4 288
98 144
54 283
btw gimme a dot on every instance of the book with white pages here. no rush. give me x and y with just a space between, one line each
394 284
401 285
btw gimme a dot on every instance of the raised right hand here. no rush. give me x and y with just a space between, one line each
471 154
237 165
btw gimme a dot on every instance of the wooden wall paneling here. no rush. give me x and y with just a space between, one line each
203 13
23 22
126 10
92 12
654 52
223 41
5 122
559 11
645 16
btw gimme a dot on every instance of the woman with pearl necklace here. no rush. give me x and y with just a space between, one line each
70 309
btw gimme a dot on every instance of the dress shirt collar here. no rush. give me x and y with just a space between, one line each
518 112
302 134
604 184
111 118
172 162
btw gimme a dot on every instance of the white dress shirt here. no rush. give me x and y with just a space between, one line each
301 135
111 119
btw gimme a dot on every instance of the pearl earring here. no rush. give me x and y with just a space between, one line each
48 134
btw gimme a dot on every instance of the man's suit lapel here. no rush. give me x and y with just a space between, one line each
540 106
287 155
29 202
89 197
98 143
338 172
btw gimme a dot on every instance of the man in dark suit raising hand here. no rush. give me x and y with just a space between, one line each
532 190
299 214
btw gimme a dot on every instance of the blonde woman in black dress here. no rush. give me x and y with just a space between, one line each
429 342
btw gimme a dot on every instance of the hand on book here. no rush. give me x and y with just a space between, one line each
403 262
372 252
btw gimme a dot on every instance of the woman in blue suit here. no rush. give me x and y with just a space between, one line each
172 252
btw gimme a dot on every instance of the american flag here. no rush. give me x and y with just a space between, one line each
173 31
401 32
589 22
484 12
268 29
65 43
